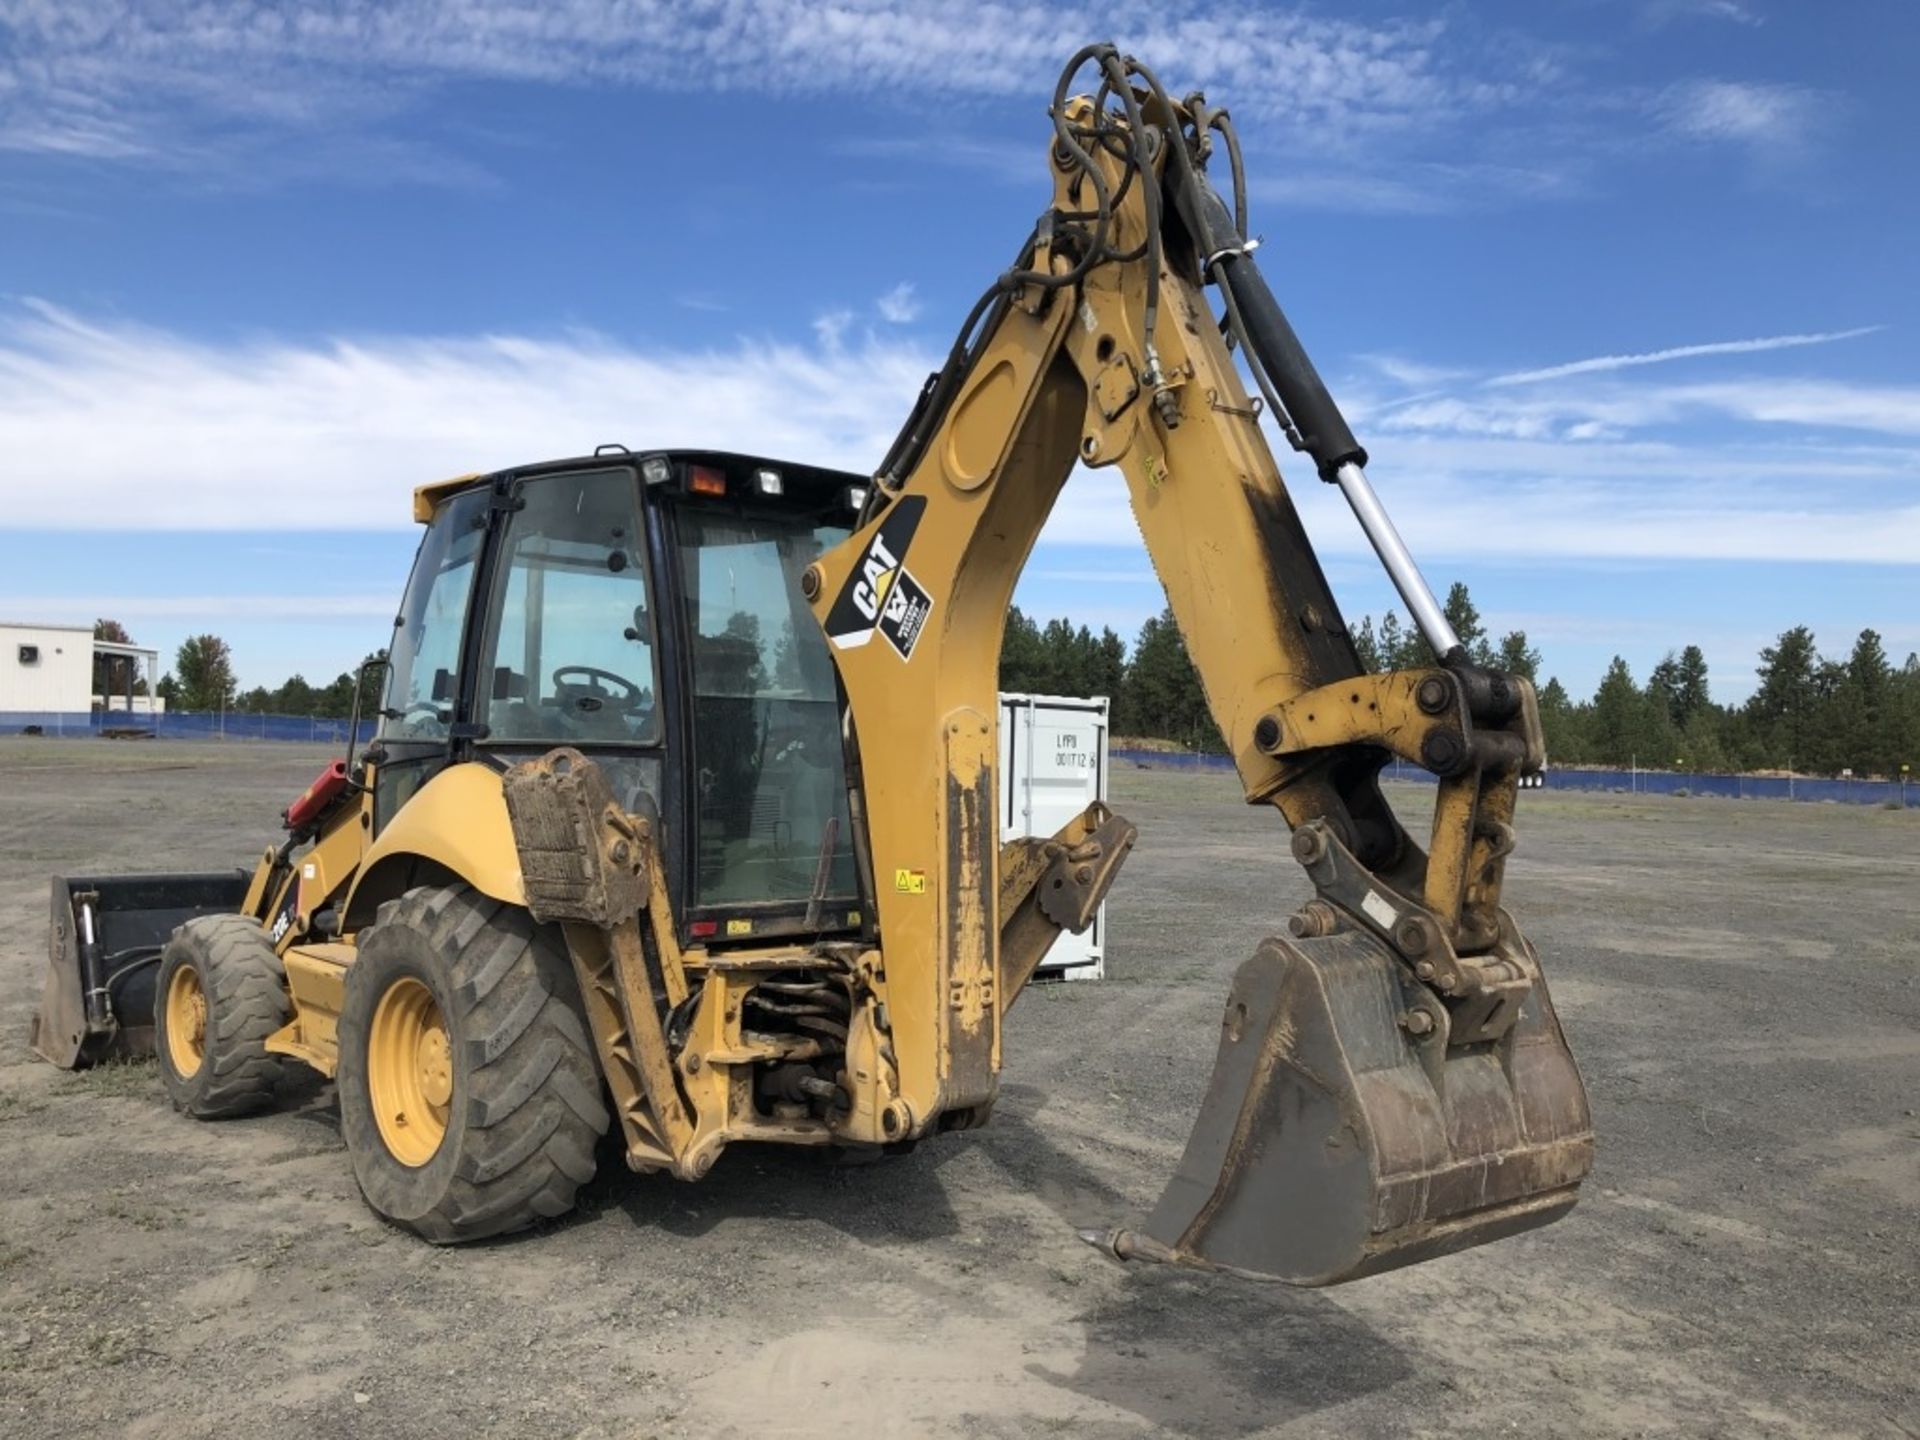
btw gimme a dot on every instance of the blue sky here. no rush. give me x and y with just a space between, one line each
1621 294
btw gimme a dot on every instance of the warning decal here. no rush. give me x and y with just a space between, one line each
880 594
904 614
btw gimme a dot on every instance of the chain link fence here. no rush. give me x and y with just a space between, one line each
1844 791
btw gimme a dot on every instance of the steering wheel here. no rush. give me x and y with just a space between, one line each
625 696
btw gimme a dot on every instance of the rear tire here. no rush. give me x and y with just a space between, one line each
469 1091
220 992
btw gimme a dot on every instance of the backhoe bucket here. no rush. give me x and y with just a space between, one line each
1336 1142
103 949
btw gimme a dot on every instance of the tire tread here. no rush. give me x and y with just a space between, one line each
246 988
533 1111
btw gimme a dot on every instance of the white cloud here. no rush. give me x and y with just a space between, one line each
115 426
1584 412
830 329
1781 116
899 306
1661 12
1417 373
124 427
1392 113
1600 363
72 60
1415 187
132 609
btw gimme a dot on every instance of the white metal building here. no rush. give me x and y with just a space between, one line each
1053 763
48 670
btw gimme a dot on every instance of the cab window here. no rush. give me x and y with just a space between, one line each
568 655
425 653
771 796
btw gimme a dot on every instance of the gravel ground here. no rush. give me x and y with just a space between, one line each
1740 980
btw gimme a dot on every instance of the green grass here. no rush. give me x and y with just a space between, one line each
115 1078
14 1105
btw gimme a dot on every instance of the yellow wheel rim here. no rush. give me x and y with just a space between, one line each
410 1072
186 1022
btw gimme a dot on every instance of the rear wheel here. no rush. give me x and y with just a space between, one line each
220 993
469 1093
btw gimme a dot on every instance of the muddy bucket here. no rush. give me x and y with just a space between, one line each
103 949
1339 1140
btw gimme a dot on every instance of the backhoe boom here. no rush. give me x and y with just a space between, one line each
1392 1080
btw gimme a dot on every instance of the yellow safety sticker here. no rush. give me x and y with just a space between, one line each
853 917
910 882
739 927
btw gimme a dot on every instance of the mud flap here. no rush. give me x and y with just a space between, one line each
103 948
1335 1144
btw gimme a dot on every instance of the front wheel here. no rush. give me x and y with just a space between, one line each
220 993
469 1093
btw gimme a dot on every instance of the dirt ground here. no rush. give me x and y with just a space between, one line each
1740 980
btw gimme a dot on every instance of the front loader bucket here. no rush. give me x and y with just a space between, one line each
1335 1144
103 949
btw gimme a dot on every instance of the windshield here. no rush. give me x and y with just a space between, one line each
771 792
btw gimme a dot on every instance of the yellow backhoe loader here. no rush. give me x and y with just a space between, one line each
681 814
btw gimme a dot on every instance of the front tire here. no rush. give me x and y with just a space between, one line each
220 993
469 1092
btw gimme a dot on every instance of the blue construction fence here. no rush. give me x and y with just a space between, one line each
185 725
318 730
1624 782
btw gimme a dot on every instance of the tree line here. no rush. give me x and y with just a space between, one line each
1810 713
202 679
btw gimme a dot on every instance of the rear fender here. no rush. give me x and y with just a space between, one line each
455 827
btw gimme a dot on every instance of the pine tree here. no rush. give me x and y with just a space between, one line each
1394 643
1629 726
1464 616
1561 723
1693 698
1109 666
1865 727
1021 661
1366 646
1663 686
1163 689
295 697
1783 707
1516 657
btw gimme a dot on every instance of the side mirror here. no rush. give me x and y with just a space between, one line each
372 664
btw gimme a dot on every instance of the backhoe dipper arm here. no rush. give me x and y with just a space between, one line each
1100 347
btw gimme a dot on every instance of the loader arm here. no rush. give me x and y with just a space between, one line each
1392 1081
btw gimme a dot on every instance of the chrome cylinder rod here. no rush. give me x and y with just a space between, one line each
1393 554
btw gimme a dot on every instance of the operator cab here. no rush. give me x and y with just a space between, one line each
645 609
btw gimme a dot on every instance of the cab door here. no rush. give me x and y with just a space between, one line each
423 679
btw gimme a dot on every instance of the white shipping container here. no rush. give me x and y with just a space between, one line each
1053 764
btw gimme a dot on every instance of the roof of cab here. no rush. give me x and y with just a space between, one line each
428 498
